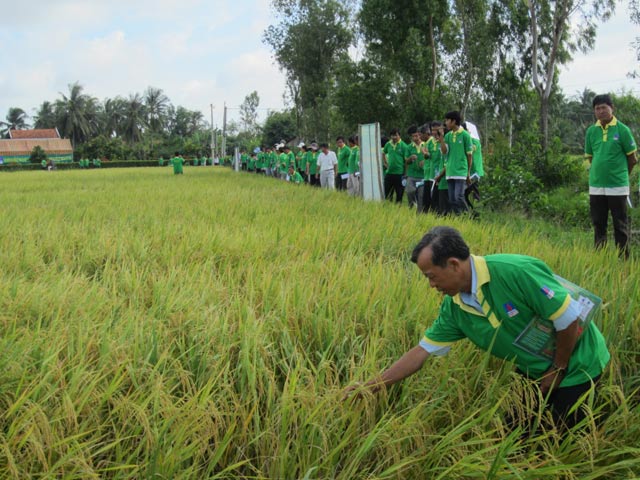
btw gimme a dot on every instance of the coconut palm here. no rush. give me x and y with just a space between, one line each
156 103
45 117
16 120
135 118
113 116
77 114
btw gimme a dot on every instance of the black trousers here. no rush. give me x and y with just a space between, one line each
600 206
559 403
443 201
393 183
429 197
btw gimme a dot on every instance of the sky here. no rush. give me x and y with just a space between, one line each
198 52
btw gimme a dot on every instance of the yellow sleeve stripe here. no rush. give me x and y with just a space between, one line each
562 309
437 344
632 151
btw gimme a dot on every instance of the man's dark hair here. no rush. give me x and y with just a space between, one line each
412 129
353 139
324 145
436 124
394 131
426 128
604 98
177 154
455 116
445 243
340 138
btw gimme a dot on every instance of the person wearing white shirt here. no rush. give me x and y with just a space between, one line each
327 167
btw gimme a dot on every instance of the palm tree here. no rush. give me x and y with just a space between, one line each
156 103
45 117
77 115
113 116
16 120
134 118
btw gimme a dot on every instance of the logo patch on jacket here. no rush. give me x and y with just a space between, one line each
511 310
548 292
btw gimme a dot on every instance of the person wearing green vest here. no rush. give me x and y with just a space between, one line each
97 163
393 161
441 187
203 161
311 168
492 301
353 183
343 154
611 150
177 161
456 145
161 161
414 159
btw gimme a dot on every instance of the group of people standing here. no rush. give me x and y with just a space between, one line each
439 168
317 165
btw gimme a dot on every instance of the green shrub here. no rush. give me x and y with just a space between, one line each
37 155
511 187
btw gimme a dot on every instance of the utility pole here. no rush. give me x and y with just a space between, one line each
224 130
213 138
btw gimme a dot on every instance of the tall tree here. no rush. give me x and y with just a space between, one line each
156 103
76 114
249 112
45 116
552 39
135 118
311 38
634 7
410 40
16 119
112 116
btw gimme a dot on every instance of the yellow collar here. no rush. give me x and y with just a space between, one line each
482 277
612 123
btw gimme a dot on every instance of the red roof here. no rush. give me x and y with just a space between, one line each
42 133
9 147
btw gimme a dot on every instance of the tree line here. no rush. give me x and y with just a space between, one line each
142 125
402 62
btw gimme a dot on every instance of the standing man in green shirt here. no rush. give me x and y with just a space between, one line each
177 161
393 161
343 154
311 168
491 301
611 150
353 182
414 159
431 153
456 145
440 187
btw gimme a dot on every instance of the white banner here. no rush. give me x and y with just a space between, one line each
371 162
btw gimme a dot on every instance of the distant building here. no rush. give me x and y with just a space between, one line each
18 147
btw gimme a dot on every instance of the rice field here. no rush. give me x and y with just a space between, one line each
206 325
